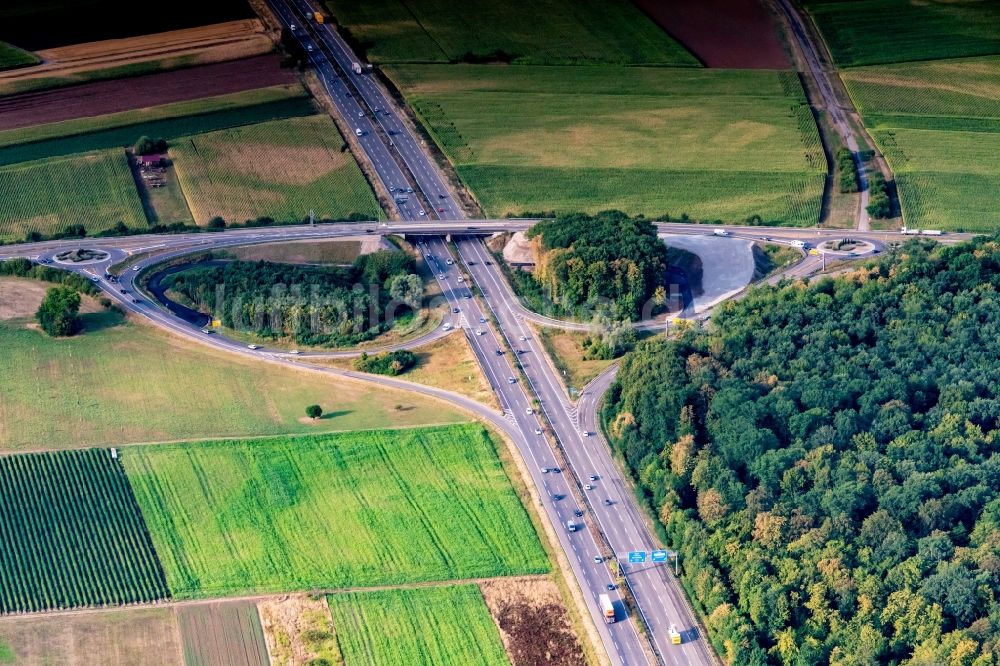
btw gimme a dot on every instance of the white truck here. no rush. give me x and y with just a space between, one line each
607 609
721 232
799 244
356 67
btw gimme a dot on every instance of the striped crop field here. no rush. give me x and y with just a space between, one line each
447 626
96 190
72 534
537 32
332 511
870 32
711 144
938 125
281 169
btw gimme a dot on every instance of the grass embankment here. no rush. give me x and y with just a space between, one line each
110 385
770 258
432 625
12 57
319 252
567 352
286 513
447 363
712 144
938 125
282 169
523 31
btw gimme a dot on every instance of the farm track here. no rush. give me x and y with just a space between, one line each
105 97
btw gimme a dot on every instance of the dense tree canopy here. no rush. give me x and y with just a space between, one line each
610 259
58 314
825 458
311 304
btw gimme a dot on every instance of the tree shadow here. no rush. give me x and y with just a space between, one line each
93 322
333 415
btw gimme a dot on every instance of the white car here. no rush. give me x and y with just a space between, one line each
523 338
461 279
295 352
449 262
422 213
538 431
588 487
480 331
252 347
442 277
447 326
529 411
511 380
585 433
309 48
135 268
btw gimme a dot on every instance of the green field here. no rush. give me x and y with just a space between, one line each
72 534
169 120
332 511
528 32
714 144
938 124
110 385
12 57
433 625
870 32
96 190
281 169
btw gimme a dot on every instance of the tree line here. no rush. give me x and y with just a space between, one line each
825 459
312 305
609 264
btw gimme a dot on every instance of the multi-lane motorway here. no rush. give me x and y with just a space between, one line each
513 361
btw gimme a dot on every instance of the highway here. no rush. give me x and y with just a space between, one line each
504 352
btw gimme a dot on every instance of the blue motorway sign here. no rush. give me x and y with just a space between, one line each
658 555
637 556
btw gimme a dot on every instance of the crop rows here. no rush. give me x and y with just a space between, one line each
72 534
431 625
868 32
355 509
280 169
96 190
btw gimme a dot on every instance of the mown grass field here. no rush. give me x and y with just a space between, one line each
529 32
869 32
282 169
12 57
73 534
110 386
712 144
169 120
96 190
332 511
938 124
446 626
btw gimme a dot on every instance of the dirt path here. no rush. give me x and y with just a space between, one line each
94 99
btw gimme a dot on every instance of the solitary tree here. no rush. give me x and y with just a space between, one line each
59 312
314 411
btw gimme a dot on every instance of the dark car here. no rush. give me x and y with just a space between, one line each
611 587
455 310
578 513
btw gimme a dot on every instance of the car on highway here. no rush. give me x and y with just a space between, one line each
422 214
135 300
558 497
293 27
253 347
608 502
578 512
442 196
135 268
409 190
94 278
455 310
207 331
523 338
598 559
442 277
294 352
529 411
440 210
593 477
480 331
588 487
538 431
611 587
545 470
124 291
585 433
361 114
309 48
461 279
482 320
511 380
468 296
449 262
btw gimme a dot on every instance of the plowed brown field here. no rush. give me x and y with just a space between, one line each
94 99
738 34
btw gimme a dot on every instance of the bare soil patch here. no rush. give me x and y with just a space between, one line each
103 97
20 298
298 630
146 636
738 34
222 634
533 622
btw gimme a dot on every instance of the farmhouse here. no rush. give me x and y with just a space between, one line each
154 160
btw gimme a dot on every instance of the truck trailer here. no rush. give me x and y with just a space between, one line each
607 609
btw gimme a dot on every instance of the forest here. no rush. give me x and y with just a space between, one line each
608 264
312 305
825 459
